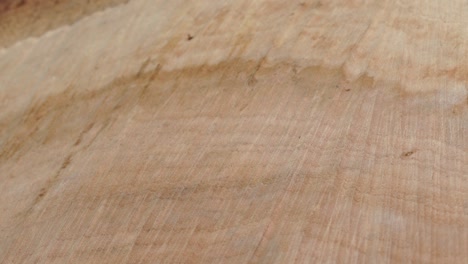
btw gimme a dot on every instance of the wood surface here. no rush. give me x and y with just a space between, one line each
156 131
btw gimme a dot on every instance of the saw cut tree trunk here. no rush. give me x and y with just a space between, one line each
153 131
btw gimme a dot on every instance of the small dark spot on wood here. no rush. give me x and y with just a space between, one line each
189 37
42 192
408 153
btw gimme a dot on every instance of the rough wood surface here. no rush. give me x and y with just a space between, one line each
155 131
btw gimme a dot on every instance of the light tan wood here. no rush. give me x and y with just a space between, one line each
153 131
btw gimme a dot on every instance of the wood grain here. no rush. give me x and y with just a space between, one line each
20 19
151 131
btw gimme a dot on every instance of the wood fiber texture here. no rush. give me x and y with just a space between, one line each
155 131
